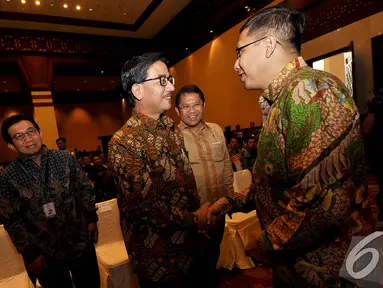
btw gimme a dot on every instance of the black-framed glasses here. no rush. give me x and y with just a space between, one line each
20 136
239 49
163 80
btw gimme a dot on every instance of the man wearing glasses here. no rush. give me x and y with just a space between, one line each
48 209
158 200
205 143
309 188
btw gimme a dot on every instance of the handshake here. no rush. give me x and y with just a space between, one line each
208 213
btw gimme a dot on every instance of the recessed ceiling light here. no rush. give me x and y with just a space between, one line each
6 90
102 71
211 31
124 13
112 81
78 89
4 82
8 0
51 4
23 1
90 9
65 6
37 3
84 81
78 7
186 48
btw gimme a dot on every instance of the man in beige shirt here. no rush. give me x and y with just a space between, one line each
206 146
209 158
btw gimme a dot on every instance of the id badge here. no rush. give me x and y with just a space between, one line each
49 210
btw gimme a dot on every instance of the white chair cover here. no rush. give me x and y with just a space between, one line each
242 180
113 260
12 269
236 237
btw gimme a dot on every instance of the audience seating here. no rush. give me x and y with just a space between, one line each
12 271
113 260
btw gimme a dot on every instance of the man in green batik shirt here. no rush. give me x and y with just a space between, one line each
309 186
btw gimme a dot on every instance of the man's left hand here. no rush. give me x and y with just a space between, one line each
93 232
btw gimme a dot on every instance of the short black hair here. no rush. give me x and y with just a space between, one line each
286 22
12 120
61 139
192 88
135 70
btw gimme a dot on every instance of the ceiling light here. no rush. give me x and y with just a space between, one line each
102 71
78 7
65 6
8 0
37 3
90 9
4 82
51 4
124 13
186 48
23 1
211 31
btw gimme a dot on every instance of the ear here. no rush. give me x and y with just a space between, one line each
204 104
137 91
271 44
177 110
10 146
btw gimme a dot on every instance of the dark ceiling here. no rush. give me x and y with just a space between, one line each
196 25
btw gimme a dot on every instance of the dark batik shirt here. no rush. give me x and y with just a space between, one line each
25 187
157 195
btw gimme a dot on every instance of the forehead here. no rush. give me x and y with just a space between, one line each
20 127
158 68
190 97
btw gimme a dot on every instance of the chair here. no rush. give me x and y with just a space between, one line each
242 180
238 230
113 260
12 271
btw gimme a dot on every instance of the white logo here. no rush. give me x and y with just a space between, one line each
358 251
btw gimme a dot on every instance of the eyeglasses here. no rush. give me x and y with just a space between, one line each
187 108
21 136
239 49
163 80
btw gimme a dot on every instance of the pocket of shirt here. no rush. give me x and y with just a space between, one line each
217 151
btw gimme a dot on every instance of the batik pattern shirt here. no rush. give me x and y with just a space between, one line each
26 187
157 195
309 186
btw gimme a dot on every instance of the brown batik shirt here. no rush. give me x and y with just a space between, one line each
157 195
24 189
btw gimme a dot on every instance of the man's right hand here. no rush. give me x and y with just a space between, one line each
37 266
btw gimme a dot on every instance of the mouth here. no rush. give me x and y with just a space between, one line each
193 117
31 146
168 98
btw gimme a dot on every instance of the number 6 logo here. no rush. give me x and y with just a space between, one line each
358 252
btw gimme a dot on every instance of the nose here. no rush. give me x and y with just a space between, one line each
170 87
236 65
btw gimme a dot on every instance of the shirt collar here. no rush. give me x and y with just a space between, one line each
44 153
280 81
183 126
163 122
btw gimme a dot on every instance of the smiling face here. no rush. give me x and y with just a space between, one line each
30 145
153 98
191 109
251 62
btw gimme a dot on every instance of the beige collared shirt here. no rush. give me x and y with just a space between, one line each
210 161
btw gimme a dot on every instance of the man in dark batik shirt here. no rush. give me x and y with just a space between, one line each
47 206
158 200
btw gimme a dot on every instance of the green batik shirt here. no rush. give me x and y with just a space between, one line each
309 186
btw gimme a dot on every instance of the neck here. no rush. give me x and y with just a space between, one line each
36 158
154 116
280 62
198 127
